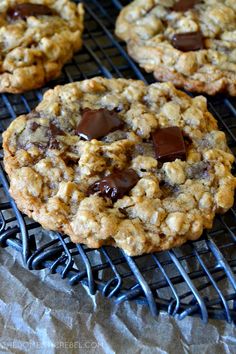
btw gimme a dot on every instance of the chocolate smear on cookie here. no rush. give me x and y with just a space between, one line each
169 144
187 42
116 185
96 123
22 11
184 5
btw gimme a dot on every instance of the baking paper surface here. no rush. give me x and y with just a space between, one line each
41 313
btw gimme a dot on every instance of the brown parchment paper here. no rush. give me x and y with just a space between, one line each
41 313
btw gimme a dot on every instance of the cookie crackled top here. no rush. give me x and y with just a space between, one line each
189 42
37 37
116 162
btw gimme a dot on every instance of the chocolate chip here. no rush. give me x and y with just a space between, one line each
188 41
22 11
95 124
116 185
169 144
184 5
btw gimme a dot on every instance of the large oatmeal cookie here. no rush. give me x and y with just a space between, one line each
115 162
189 42
37 37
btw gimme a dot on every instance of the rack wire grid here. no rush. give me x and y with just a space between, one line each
197 279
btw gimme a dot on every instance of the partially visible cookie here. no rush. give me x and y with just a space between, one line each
37 38
189 42
115 162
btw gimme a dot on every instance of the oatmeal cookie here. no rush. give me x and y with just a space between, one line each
189 42
37 38
115 162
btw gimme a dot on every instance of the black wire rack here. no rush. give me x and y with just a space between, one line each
197 279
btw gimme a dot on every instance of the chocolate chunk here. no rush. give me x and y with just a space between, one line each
95 124
22 11
184 5
116 185
169 144
187 42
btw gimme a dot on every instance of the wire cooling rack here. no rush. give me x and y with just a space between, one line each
197 279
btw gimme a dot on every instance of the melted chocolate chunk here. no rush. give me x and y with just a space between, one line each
52 133
116 185
169 144
54 130
34 126
95 124
22 11
184 5
187 42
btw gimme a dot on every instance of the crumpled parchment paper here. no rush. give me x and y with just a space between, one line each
41 313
